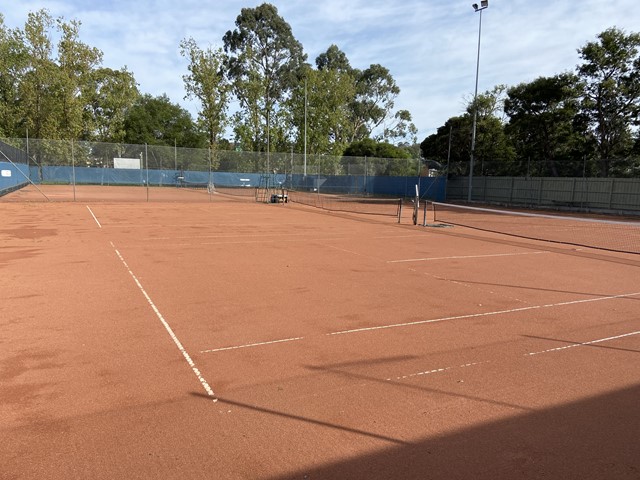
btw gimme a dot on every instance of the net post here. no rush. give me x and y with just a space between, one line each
400 211
424 217
416 205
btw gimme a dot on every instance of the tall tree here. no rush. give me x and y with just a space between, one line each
376 91
38 90
76 62
611 75
157 121
207 82
108 96
265 62
322 101
13 64
542 117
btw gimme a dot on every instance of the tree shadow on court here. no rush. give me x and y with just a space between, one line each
595 438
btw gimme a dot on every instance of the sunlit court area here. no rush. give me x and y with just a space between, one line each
206 335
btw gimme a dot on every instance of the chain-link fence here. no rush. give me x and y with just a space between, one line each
93 163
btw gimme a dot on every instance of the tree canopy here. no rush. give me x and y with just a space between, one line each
585 122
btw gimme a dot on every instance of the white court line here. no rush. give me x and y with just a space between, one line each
592 342
94 217
485 314
173 336
464 256
437 370
250 345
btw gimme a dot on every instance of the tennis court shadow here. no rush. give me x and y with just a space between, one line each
569 343
601 255
540 289
311 421
405 385
595 438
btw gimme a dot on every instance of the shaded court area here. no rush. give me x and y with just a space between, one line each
230 339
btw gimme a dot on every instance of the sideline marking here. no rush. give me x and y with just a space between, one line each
486 314
94 217
252 345
592 342
457 257
173 336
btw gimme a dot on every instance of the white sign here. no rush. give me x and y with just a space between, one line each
130 163
5 173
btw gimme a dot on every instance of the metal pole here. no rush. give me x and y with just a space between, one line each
305 128
475 101
73 171
446 178
146 157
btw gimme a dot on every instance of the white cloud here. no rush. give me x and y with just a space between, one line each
428 46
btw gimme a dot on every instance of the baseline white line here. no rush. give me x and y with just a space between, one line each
485 314
592 342
173 336
457 257
94 217
252 345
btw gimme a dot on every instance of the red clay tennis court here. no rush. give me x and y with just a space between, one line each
216 338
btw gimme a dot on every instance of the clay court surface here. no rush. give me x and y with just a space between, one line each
212 338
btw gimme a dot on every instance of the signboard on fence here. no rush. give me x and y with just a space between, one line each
130 163
5 173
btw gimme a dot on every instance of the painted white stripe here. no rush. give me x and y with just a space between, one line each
173 336
94 217
437 370
592 342
250 345
485 314
464 257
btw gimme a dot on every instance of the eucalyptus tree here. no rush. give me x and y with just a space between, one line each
376 91
158 121
109 94
320 113
542 124
38 86
265 63
207 82
610 72
76 63
13 64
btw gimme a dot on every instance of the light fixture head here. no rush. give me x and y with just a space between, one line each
484 3
475 6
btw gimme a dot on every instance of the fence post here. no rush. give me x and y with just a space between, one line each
611 185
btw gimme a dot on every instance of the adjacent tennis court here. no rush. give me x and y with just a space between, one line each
210 336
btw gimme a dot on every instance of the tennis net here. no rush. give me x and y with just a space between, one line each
613 235
350 204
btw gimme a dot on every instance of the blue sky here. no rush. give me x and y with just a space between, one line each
429 46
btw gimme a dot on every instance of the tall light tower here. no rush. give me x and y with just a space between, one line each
483 4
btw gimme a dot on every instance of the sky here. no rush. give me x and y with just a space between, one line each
429 46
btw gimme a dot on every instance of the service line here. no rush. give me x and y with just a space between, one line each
250 345
485 314
173 336
592 342
457 257
94 217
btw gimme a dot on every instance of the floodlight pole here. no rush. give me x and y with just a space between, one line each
483 4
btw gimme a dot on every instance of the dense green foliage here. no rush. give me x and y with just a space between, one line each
582 124
570 124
